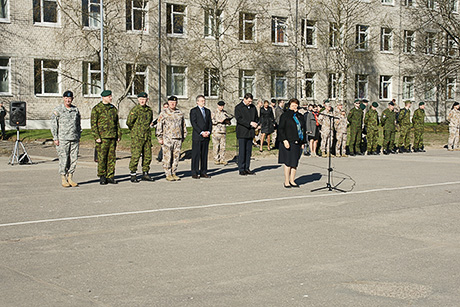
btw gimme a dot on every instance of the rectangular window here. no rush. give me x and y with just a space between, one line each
46 77
308 91
138 75
430 90
452 46
388 2
334 35
247 27
212 23
409 41
176 81
46 11
362 85
309 32
91 79
247 82
91 13
279 27
211 82
279 84
385 87
362 37
409 88
333 86
430 43
4 10
386 39
136 15
454 6
431 4
175 19
409 3
5 73
450 88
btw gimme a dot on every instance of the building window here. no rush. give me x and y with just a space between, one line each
91 13
409 41
91 79
387 2
362 37
450 88
279 27
279 84
136 15
136 79
176 81
430 43
308 91
431 4
333 86
247 82
386 39
46 11
408 88
362 85
4 10
175 19
46 77
454 6
385 87
309 32
452 46
334 35
5 72
409 3
430 90
211 82
212 23
247 27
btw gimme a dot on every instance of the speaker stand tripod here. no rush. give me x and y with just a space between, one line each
23 158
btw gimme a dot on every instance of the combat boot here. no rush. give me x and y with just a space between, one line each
175 177
146 177
111 180
323 155
170 178
65 183
103 180
401 149
70 181
134 178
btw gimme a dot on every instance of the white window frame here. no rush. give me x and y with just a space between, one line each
410 3
279 28
334 35
94 20
333 86
144 19
132 92
408 88
431 4
91 83
454 6
278 76
362 80
362 37
430 43
43 70
386 38
247 75
451 85
209 23
245 22
6 4
309 32
409 41
388 2
42 15
451 46
171 78
211 82
309 79
7 68
170 31
385 84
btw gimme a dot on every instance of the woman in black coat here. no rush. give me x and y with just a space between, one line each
267 124
292 137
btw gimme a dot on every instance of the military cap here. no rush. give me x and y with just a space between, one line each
375 104
142 95
221 103
365 101
407 102
273 100
68 94
172 98
421 103
326 101
356 101
391 103
362 106
106 93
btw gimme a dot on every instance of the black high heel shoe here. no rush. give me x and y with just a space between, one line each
287 186
294 185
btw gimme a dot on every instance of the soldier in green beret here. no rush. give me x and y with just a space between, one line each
106 131
140 121
371 120
355 118
418 120
388 121
405 127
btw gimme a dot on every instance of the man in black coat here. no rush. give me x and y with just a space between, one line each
200 118
246 122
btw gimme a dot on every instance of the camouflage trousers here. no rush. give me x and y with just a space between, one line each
68 154
325 141
388 139
341 145
453 137
404 136
218 146
171 154
372 139
418 137
355 139
106 157
140 147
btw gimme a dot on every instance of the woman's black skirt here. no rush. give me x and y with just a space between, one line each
289 157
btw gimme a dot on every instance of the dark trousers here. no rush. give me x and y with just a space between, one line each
244 154
2 124
200 154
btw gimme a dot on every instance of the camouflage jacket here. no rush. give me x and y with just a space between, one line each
171 125
341 123
217 118
66 123
104 122
139 120
325 121
454 118
419 117
371 120
355 117
404 117
388 120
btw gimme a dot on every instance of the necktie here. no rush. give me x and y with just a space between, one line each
202 112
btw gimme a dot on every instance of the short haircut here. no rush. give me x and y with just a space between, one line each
293 100
248 96
200 96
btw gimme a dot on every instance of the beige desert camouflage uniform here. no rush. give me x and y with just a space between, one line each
340 125
172 131
454 127
326 128
219 132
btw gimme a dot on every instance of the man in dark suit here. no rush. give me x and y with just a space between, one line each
200 118
246 122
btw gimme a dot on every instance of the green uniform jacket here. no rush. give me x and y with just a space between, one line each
404 117
371 120
104 122
388 120
139 120
355 118
419 117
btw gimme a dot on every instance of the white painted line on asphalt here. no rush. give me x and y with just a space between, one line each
228 204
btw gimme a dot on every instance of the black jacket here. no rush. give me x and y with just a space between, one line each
287 129
244 115
199 124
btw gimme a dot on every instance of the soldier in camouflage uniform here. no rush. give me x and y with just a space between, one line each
139 121
171 132
66 131
388 121
106 132
220 119
454 127
326 128
340 124
371 121
355 118
405 126
418 120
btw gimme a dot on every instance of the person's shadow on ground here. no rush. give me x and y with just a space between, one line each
308 178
